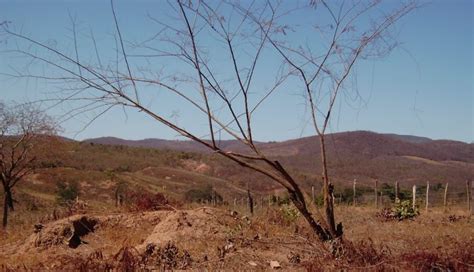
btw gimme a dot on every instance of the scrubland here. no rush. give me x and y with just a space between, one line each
199 237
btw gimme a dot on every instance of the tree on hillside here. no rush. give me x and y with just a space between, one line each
20 128
208 54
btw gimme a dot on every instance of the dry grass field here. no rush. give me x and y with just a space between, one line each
222 238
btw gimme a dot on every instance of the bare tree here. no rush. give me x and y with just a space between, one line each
208 54
20 128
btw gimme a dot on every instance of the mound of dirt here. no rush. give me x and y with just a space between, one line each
203 223
68 231
196 232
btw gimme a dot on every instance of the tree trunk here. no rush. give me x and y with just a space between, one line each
297 197
328 189
5 212
323 234
9 199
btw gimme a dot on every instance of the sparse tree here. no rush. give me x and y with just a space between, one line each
20 128
209 53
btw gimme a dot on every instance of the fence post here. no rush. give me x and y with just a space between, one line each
414 197
354 193
397 191
313 198
427 195
445 199
376 194
468 191
213 196
250 201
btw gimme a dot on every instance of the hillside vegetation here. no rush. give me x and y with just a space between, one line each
130 197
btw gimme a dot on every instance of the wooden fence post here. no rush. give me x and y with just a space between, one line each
354 193
445 199
414 197
427 195
250 201
313 197
468 192
376 194
397 191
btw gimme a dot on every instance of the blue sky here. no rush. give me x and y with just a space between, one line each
424 87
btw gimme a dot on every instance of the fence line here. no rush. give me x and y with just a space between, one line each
428 195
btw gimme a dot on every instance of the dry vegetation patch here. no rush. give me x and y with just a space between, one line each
215 238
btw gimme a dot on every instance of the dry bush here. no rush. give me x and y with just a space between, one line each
460 259
284 215
127 258
146 201
345 254
456 218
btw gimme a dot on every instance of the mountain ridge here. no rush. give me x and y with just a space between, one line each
361 142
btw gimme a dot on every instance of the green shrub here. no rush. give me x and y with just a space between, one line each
404 210
280 200
66 193
203 194
289 213
400 211
319 200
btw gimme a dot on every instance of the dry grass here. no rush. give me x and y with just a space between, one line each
215 238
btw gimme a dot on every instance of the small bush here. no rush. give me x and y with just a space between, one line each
319 200
203 194
144 201
285 215
345 255
66 193
402 210
289 213
280 200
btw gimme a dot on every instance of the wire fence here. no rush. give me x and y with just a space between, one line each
425 195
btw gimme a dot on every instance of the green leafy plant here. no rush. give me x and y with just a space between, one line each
289 212
400 211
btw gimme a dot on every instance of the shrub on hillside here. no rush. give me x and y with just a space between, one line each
203 194
66 192
145 201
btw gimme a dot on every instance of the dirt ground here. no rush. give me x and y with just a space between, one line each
210 238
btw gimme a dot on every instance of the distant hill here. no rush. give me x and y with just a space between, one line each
360 143
179 145
175 167
359 154
409 138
